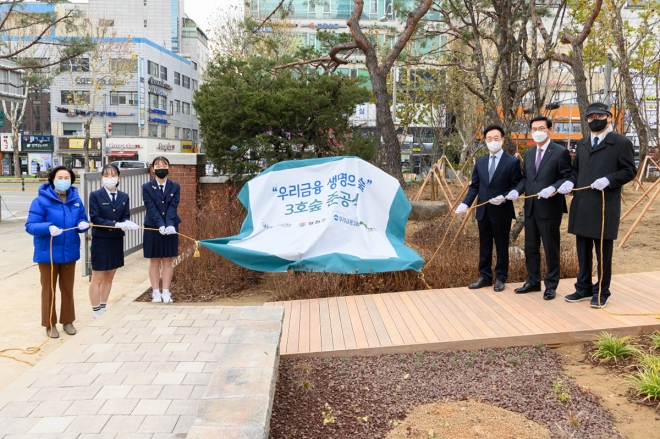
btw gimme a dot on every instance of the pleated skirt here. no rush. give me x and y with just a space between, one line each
107 253
156 245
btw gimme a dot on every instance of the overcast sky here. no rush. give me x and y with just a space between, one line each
204 11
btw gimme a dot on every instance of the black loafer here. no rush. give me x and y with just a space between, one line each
549 294
499 286
528 288
480 283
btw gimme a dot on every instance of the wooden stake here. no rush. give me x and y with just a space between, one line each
640 173
421 189
639 218
454 171
441 188
636 203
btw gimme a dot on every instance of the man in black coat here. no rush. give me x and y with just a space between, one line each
546 167
605 161
493 176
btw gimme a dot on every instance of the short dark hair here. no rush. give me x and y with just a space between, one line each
112 168
548 121
490 128
158 159
55 170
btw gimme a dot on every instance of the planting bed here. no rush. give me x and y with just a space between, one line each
371 397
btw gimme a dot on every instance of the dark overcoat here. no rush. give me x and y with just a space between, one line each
614 159
505 178
554 170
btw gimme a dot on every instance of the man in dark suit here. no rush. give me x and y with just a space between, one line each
546 167
605 161
493 176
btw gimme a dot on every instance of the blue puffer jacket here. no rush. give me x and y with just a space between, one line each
47 210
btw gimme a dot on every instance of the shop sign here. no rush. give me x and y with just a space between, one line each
186 146
324 25
124 145
82 80
6 143
42 146
165 146
159 83
77 143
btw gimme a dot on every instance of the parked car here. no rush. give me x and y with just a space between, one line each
131 164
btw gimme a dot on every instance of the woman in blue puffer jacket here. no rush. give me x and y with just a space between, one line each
56 208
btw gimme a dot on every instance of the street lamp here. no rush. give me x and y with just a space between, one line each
392 12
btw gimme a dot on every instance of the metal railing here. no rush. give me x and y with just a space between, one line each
131 183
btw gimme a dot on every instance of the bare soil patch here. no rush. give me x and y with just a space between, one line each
368 397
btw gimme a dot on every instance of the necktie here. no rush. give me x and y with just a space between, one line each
160 186
113 197
538 159
595 143
491 169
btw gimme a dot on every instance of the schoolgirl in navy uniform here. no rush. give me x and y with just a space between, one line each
107 207
161 198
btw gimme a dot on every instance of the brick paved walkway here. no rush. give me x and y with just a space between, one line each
152 371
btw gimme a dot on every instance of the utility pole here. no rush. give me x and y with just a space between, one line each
104 158
608 79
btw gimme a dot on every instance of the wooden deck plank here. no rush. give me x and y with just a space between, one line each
326 327
406 316
335 325
314 326
438 330
294 327
377 320
358 326
346 324
303 335
392 330
463 319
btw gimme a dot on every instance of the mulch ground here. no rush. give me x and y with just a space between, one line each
365 397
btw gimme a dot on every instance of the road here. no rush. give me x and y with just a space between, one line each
16 202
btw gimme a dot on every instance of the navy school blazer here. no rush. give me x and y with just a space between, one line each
103 212
161 206
506 177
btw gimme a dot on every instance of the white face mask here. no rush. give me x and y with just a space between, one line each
110 182
539 136
494 146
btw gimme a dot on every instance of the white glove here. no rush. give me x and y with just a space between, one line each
55 231
170 230
547 192
162 231
131 225
497 200
122 226
83 225
513 195
462 208
600 184
565 188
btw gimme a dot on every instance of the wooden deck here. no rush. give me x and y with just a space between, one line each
459 318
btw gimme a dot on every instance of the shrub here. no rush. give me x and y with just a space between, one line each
647 382
611 347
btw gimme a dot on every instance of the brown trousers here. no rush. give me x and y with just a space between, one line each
66 274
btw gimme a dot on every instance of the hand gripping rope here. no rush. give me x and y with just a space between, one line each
31 350
602 232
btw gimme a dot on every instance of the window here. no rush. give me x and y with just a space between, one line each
125 129
186 133
194 135
177 78
176 132
153 69
311 7
153 100
195 84
153 130
163 131
186 108
577 128
75 65
163 103
186 81
123 64
124 98
177 105
71 129
145 23
311 39
171 107
327 4
194 65
79 98
193 111
374 7
560 127
163 73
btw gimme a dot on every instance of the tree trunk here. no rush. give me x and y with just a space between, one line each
580 84
86 144
386 124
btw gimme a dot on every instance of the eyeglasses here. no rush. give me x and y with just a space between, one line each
596 116
541 129
493 139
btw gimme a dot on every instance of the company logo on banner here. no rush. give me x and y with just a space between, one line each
338 214
6 143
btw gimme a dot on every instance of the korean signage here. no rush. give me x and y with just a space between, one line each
76 143
159 83
6 143
166 146
186 146
126 145
44 146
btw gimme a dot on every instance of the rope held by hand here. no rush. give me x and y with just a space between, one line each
195 253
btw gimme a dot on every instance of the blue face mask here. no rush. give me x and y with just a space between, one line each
62 185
